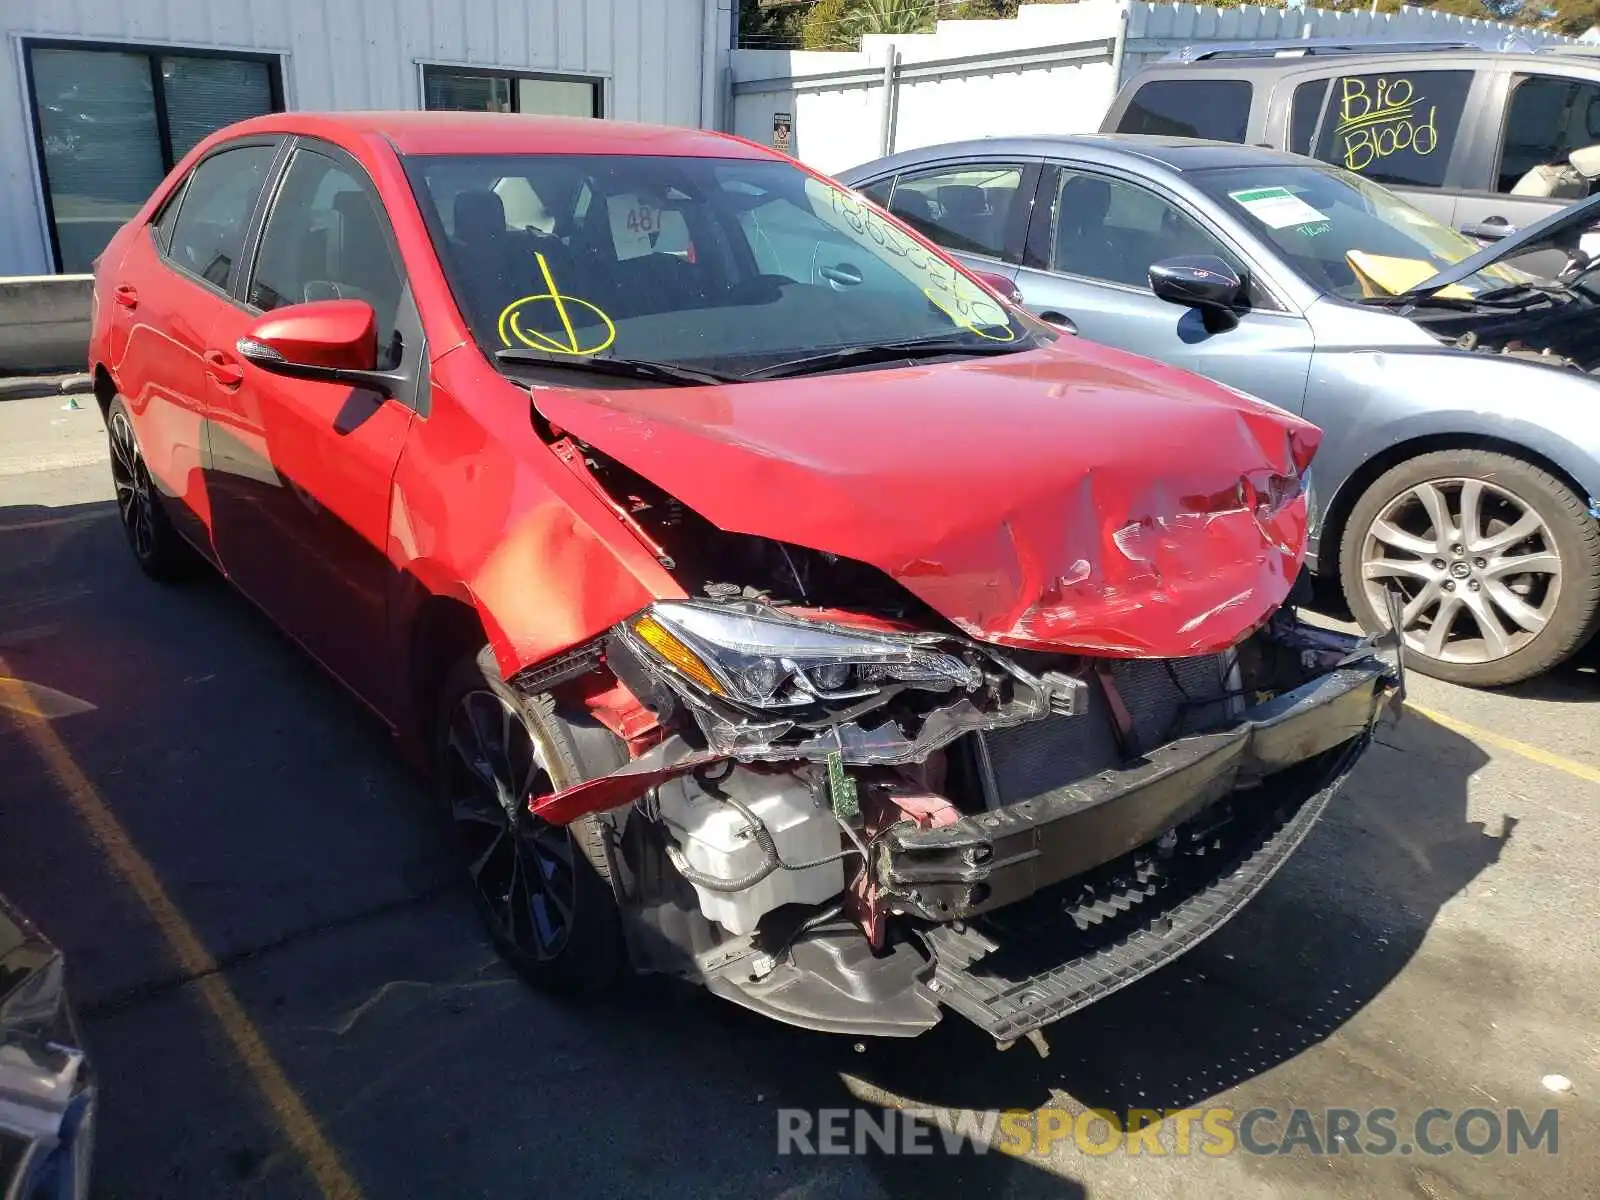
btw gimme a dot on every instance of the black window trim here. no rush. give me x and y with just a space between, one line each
180 192
596 82
408 317
1017 220
1274 294
153 51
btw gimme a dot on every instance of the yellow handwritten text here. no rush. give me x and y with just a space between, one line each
1383 120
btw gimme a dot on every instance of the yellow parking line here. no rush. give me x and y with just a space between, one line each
1511 745
288 1109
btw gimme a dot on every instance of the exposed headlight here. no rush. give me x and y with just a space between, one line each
769 660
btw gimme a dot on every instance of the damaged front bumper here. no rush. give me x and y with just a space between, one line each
1029 912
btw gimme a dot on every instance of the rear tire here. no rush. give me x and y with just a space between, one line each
544 891
157 546
1498 563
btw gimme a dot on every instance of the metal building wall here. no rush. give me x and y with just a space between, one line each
355 54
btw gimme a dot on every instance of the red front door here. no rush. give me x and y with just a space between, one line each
301 472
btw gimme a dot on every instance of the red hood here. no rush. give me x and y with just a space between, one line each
1073 498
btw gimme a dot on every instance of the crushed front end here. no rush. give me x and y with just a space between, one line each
852 825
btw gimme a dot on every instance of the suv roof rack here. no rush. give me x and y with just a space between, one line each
1303 47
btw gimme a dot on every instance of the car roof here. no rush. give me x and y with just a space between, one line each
1108 149
412 132
1441 58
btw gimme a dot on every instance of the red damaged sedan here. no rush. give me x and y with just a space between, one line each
773 604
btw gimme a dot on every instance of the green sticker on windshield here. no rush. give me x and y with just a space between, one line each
1277 207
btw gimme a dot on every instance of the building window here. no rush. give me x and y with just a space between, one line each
111 121
464 89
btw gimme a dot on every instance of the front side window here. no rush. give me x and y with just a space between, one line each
1396 128
214 211
1112 231
964 208
1549 118
1348 236
327 239
723 265
1218 109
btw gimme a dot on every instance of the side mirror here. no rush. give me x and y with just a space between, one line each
1001 285
327 341
1197 281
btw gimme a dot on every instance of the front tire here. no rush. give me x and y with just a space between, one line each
1497 563
157 546
543 891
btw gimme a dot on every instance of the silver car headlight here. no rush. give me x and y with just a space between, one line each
768 660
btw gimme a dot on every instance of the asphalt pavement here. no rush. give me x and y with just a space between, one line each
287 994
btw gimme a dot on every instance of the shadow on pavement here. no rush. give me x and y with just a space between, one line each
277 816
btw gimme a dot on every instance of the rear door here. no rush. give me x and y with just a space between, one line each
171 287
1094 237
1534 122
301 471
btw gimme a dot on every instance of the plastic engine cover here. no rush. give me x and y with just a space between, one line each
718 841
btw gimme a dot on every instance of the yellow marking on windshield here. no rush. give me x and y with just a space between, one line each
510 326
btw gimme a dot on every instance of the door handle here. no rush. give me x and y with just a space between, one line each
224 371
1060 320
126 296
1490 229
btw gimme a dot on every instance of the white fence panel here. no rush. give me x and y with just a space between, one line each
1051 69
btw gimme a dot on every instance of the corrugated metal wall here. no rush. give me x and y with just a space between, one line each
351 54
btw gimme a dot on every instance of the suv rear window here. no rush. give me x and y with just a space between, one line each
1200 108
1397 127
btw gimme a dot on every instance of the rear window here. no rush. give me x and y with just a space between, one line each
1396 128
1199 108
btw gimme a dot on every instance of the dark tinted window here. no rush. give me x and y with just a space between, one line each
326 239
1549 118
1396 128
1199 108
1110 230
208 231
1303 114
964 207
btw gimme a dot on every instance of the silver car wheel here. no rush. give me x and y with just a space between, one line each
1476 566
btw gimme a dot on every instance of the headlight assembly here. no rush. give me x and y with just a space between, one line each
766 660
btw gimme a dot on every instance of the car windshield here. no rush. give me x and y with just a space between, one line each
722 266
1349 236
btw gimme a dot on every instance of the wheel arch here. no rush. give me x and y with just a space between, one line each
105 388
1330 536
442 630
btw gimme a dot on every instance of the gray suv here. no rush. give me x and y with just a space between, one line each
1481 140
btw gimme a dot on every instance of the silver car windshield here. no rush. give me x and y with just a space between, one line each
1347 235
